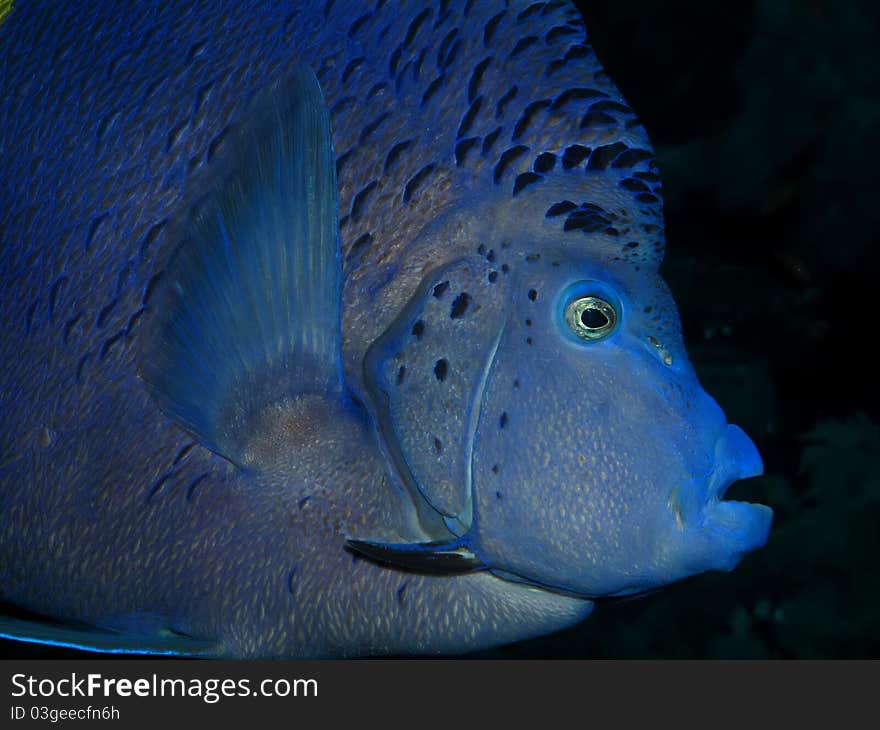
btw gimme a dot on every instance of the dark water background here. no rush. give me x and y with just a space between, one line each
765 115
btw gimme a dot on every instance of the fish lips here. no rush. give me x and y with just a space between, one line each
718 532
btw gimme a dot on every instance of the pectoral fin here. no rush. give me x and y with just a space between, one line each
249 313
436 558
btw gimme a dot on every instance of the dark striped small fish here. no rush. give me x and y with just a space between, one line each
335 328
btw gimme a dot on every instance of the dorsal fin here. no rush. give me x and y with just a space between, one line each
249 311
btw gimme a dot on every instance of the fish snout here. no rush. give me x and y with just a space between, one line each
715 533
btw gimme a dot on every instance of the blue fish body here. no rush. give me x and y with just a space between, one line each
409 386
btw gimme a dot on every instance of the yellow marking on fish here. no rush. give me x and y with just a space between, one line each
5 7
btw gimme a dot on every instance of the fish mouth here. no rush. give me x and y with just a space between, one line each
727 528
735 458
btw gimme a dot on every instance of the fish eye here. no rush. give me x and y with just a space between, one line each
590 317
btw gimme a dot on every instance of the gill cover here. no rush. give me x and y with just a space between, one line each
425 378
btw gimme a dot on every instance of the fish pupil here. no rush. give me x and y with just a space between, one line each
594 319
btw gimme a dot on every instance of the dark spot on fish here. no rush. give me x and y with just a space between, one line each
647 198
578 51
533 294
290 578
394 60
611 106
502 421
401 592
341 160
597 119
526 178
528 116
476 77
184 450
104 313
401 372
218 143
516 384
80 366
361 198
372 127
490 257
69 325
418 329
631 157
602 156
358 24
505 100
302 502
29 316
632 244
359 246
450 57
576 94
588 221
530 10
493 277
415 181
438 445
481 249
532 257
574 155
53 294
491 27
351 67
109 343
528 340
507 157
468 119
490 140
528 323
498 495
151 235
468 6
432 89
651 177
559 208
550 7
344 102
545 162
395 152
633 185
414 27
459 305
445 46
158 484
441 367
558 31
440 289
522 44
495 468
504 268
95 228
